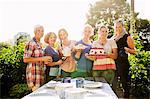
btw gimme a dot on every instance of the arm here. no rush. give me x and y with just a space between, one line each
55 63
39 59
78 53
131 48
113 55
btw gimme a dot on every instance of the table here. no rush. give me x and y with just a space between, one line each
105 92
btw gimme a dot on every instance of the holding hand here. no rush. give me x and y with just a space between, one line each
93 58
59 62
47 59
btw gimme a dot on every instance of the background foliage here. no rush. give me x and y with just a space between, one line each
105 12
12 68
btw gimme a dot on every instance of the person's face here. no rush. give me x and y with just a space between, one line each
118 28
63 35
87 32
103 33
39 32
52 39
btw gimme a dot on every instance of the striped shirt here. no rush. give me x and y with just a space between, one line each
102 62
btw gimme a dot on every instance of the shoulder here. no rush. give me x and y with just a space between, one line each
30 45
127 35
31 42
47 48
129 38
111 40
112 43
79 42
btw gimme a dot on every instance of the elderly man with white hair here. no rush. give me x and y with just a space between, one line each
35 59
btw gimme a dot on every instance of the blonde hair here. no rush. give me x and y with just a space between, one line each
119 21
89 26
36 27
46 39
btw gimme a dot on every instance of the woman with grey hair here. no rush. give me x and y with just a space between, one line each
34 57
125 45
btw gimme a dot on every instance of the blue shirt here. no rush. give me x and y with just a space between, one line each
84 64
52 70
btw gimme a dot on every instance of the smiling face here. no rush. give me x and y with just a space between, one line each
52 39
103 32
88 32
39 32
62 35
118 28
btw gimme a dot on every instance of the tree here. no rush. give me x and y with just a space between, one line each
143 29
21 37
104 12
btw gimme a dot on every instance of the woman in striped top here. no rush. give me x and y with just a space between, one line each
104 64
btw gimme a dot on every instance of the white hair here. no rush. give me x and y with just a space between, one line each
36 27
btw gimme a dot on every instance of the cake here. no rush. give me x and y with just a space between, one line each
96 51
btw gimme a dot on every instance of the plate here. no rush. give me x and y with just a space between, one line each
51 85
64 86
80 46
93 85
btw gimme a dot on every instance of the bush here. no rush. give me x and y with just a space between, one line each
12 66
139 73
19 90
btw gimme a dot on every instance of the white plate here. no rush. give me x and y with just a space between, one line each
64 86
51 85
80 46
93 85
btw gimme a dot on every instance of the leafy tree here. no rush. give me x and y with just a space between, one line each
21 37
4 45
143 28
105 12
142 25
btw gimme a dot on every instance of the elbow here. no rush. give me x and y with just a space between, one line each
115 56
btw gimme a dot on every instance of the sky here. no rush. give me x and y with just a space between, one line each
21 16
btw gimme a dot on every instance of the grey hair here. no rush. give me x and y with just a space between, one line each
37 26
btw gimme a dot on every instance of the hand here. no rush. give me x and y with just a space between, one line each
79 50
59 62
34 88
86 55
93 58
126 49
47 59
